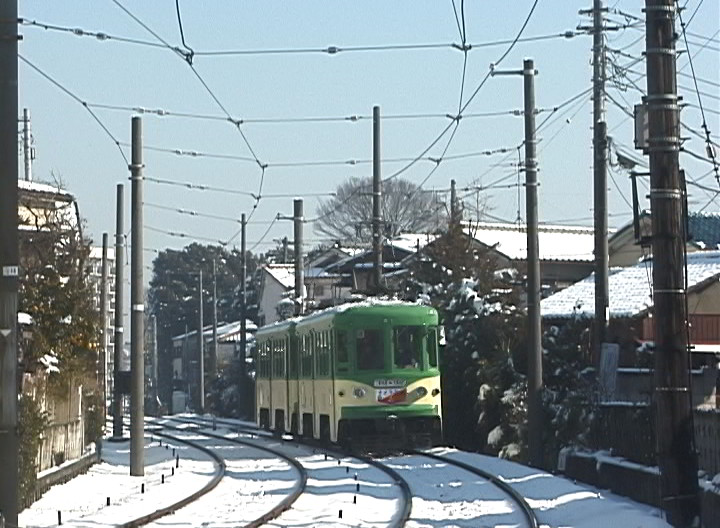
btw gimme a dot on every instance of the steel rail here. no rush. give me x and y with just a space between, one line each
528 512
404 511
219 474
283 505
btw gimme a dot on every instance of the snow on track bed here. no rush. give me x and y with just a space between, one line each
332 497
262 484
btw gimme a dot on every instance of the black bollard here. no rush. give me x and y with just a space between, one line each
59 517
325 456
162 478
107 501
172 471
340 514
355 476
160 442
167 447
177 461
357 487
354 499
347 469
142 488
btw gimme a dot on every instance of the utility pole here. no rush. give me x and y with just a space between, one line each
103 330
453 203
285 250
535 443
600 143
27 148
119 307
675 440
243 316
213 355
299 264
9 262
155 392
137 303
377 200
201 344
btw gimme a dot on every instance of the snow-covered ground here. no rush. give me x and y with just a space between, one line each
255 481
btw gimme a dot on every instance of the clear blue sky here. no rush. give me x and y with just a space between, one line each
70 143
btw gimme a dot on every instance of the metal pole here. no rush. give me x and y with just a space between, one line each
213 355
27 149
155 392
137 303
119 308
104 325
535 445
600 180
675 441
285 250
243 316
377 199
299 265
9 262
201 344
453 206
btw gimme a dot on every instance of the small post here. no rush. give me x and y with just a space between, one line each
142 488
177 461
340 514
59 518
162 478
107 501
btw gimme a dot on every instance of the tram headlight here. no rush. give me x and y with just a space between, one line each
359 392
421 391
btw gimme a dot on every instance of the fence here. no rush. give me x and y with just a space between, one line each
628 430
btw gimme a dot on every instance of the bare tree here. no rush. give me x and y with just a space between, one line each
406 208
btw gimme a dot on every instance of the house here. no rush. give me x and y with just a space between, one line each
41 206
566 252
625 250
631 310
95 264
186 350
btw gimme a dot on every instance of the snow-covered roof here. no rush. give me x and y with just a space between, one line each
44 187
411 242
629 288
226 331
565 243
283 273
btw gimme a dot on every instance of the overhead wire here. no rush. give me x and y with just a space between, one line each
78 100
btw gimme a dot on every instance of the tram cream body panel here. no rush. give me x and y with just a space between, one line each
263 397
324 405
307 403
279 388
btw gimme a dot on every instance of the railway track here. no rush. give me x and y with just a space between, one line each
524 509
402 512
527 512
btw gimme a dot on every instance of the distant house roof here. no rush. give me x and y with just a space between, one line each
629 289
564 243
282 273
37 187
226 331
411 242
705 230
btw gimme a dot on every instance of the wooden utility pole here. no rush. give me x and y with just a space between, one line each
9 262
676 454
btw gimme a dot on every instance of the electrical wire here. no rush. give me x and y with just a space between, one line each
80 101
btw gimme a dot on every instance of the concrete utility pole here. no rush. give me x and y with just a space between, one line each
676 452
27 148
201 345
137 303
119 307
535 443
9 261
213 355
453 203
104 323
377 201
285 250
243 316
155 392
299 264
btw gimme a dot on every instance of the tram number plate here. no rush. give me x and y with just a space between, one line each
393 395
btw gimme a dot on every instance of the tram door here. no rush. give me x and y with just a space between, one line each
294 387
306 376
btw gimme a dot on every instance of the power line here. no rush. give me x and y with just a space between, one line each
78 100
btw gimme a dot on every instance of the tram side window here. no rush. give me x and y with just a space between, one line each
369 350
407 345
306 358
323 354
341 347
432 343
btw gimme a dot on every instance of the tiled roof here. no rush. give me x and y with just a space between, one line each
629 288
555 242
705 229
